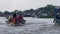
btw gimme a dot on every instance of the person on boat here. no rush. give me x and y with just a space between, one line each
14 17
20 18
58 16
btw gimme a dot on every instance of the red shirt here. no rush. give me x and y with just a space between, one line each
20 17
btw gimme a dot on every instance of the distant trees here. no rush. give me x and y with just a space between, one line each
49 10
1 13
6 13
28 13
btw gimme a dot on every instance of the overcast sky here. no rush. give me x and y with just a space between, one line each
11 5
